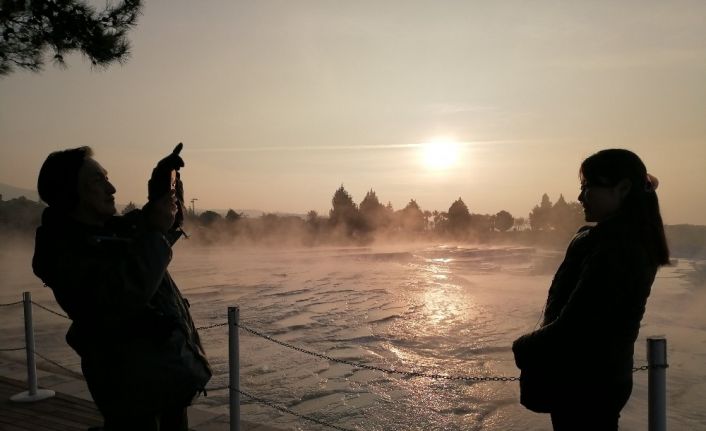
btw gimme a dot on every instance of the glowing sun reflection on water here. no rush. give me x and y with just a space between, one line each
443 300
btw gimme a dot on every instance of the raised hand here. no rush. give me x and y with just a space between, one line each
162 180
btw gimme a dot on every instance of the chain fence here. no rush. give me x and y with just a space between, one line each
648 367
277 406
11 303
215 325
56 364
11 349
374 368
50 310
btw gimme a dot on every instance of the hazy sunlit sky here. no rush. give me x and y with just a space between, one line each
278 103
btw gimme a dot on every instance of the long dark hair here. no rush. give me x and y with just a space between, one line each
641 206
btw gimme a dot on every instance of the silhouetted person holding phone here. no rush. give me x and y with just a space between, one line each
578 365
140 351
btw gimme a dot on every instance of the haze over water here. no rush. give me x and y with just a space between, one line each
438 309
279 103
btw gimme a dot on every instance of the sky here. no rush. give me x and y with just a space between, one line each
278 103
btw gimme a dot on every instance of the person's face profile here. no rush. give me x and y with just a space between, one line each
95 191
600 201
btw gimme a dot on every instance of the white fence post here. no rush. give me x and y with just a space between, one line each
657 383
33 394
234 367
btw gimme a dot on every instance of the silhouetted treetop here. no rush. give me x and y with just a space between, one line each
29 27
412 206
546 203
503 221
561 216
370 203
540 216
566 217
207 218
458 216
312 217
374 214
343 210
232 216
412 217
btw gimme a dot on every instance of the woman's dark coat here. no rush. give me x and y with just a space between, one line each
140 351
584 348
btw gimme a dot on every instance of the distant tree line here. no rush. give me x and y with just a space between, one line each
351 223
547 224
371 219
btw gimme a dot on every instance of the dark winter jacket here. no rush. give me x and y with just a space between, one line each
592 315
138 345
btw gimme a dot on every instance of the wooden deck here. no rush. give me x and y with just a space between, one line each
69 413
59 413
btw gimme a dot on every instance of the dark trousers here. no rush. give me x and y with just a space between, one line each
585 421
593 411
125 405
174 420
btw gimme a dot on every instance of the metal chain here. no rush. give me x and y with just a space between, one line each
12 350
215 325
647 367
73 373
50 310
384 370
283 409
11 303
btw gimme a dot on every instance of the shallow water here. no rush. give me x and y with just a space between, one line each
435 309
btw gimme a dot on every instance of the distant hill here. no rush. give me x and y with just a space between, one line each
20 214
11 192
686 240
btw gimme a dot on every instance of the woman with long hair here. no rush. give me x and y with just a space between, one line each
578 365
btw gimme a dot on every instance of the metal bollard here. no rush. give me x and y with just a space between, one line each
234 367
657 383
33 394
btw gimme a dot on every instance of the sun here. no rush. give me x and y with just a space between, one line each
439 154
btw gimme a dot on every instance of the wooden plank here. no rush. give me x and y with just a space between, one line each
59 413
33 423
8 426
42 422
60 419
58 406
50 420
